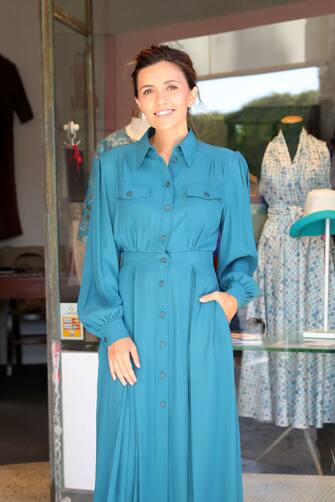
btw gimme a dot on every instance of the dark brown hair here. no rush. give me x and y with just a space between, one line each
155 54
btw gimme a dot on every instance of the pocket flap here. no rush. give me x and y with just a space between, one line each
204 190
130 191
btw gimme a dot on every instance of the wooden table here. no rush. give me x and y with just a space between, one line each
26 286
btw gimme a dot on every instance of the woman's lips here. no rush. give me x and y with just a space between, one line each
164 113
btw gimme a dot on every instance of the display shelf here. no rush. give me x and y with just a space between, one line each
286 344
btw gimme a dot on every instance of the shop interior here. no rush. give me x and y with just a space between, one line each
257 65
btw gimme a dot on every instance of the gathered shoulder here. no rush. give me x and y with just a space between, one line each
230 160
216 153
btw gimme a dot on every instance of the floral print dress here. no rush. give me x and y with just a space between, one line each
290 389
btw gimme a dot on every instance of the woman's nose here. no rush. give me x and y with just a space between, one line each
161 98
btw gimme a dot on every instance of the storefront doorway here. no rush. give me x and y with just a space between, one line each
94 93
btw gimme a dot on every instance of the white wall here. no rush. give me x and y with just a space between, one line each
20 42
79 396
291 44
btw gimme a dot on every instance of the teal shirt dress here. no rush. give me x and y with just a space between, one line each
173 436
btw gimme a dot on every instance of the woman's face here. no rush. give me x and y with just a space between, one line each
164 95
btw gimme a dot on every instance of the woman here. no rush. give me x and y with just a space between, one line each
167 426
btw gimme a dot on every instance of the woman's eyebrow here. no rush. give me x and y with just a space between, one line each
152 85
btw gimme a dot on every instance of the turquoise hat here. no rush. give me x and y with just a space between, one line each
319 205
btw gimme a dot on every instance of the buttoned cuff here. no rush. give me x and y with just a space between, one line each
113 331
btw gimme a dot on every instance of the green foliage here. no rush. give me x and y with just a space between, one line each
251 128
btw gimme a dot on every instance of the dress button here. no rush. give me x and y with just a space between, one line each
173 160
162 374
167 207
167 183
163 259
206 194
162 404
162 284
162 313
162 237
162 343
105 339
129 194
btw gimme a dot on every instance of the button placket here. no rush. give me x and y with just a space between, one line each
163 333
162 292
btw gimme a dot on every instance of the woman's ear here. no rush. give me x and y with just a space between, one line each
193 97
138 103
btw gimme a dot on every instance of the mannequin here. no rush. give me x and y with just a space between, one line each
286 388
137 125
291 126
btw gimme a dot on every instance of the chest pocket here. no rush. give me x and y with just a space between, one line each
129 191
204 203
134 208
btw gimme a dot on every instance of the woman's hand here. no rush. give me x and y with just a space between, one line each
227 302
119 360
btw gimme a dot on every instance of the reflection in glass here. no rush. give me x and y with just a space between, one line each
70 61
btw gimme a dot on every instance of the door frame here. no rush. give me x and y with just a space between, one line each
49 12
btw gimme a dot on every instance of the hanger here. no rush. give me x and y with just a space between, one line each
71 129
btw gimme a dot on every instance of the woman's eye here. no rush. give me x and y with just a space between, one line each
146 91
173 87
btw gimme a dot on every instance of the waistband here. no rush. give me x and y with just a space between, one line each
165 258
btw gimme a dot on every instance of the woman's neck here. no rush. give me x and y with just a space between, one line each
165 140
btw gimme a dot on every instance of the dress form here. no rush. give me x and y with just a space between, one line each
291 127
137 125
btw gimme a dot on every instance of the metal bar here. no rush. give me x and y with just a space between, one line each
274 443
51 247
313 453
326 304
71 21
90 81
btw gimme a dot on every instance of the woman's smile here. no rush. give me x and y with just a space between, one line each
164 113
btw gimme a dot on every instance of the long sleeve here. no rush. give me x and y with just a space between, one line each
20 101
237 258
86 211
100 306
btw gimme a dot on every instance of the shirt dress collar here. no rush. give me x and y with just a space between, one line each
188 146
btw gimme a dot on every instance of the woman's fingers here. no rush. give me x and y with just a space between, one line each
119 360
124 364
119 373
129 369
134 355
111 368
125 370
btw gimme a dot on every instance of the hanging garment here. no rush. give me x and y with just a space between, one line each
173 435
12 99
118 137
295 389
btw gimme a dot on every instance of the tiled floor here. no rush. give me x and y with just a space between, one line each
24 482
30 483
288 488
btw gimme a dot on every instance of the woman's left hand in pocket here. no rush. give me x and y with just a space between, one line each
227 302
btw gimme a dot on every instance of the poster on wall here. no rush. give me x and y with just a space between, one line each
71 327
